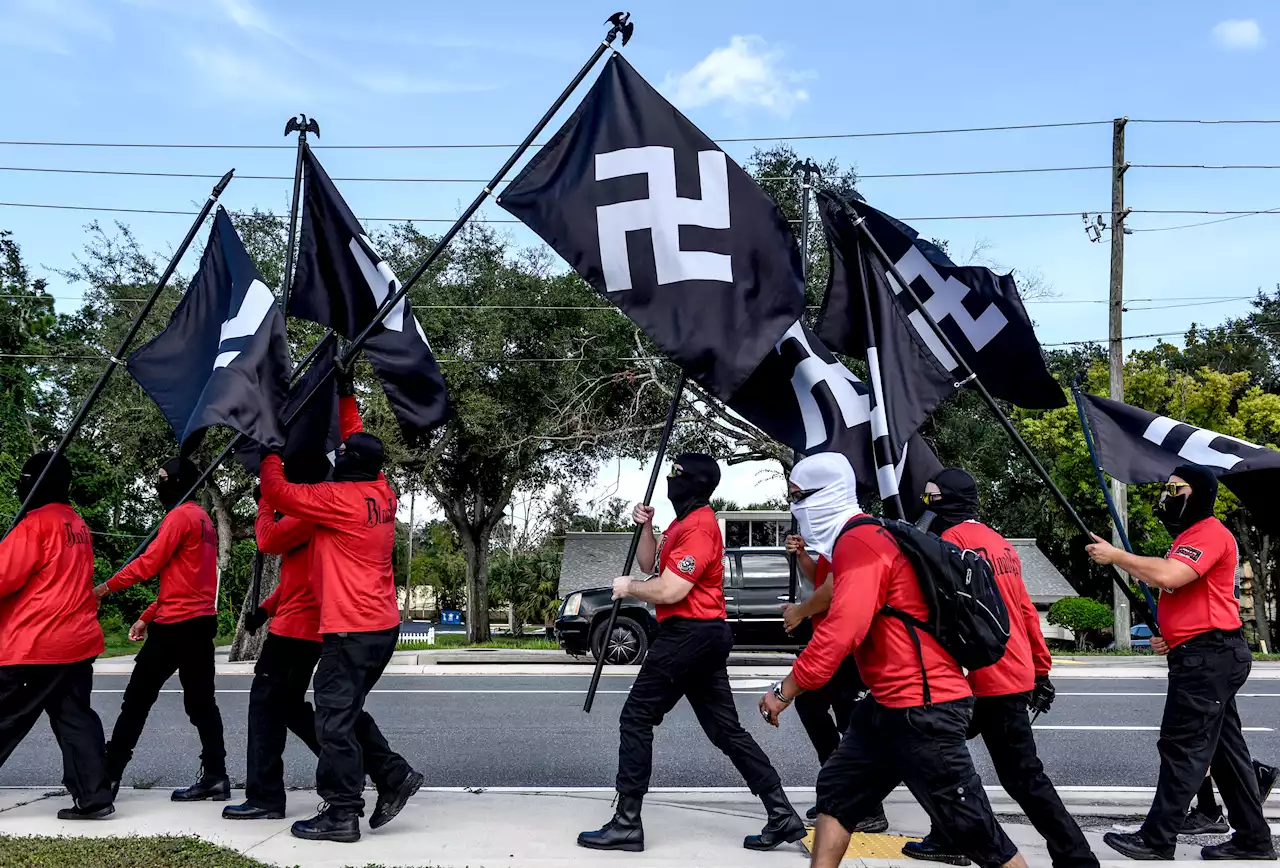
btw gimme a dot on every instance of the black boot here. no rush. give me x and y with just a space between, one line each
393 802
929 850
329 825
784 826
79 813
623 832
210 787
250 811
1229 850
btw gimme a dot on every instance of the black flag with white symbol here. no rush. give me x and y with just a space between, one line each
801 395
341 281
665 226
223 358
907 381
980 312
316 428
1137 446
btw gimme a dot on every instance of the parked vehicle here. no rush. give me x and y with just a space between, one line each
756 585
1140 636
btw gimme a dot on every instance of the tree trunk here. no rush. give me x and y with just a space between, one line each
408 570
1259 580
476 549
244 646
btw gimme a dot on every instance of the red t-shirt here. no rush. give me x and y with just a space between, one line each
350 550
693 549
821 572
47 610
184 555
1026 655
1209 602
871 572
294 610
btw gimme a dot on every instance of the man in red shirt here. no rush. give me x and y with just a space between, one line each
1209 662
838 696
1003 688
49 635
687 659
354 518
912 728
179 628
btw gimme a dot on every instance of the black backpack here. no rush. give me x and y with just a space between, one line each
967 615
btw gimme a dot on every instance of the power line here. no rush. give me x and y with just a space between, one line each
475 146
1203 121
1203 222
860 177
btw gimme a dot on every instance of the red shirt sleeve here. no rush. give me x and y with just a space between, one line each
1199 548
859 589
157 555
20 555
692 554
149 614
272 602
316 503
278 536
1041 659
349 421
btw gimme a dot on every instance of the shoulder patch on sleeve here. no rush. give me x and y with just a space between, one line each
687 565
1190 553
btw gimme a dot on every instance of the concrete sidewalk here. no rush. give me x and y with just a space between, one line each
537 828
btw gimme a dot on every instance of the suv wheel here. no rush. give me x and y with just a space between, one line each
627 645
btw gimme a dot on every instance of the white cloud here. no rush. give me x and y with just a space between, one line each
1236 34
242 77
52 25
745 74
399 84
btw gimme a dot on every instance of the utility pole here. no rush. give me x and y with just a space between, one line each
1115 323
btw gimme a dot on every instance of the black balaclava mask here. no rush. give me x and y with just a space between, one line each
180 475
693 486
959 500
56 487
359 459
307 468
1181 512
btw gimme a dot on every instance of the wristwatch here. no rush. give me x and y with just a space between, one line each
779 695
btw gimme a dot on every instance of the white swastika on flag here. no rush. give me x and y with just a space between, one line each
253 310
1198 448
947 301
855 408
663 213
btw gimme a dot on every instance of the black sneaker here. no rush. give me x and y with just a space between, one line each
928 850
1228 850
1198 823
877 824
78 813
393 803
1266 778
329 825
1134 846
812 814
249 811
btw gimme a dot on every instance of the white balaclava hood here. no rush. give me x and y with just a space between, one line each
823 514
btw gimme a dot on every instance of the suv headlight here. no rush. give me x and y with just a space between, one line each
571 605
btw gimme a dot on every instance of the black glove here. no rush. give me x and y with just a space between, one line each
255 619
1042 695
345 380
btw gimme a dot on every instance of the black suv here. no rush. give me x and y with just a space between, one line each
756 582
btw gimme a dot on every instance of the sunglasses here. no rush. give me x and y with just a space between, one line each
1171 489
931 497
675 471
798 496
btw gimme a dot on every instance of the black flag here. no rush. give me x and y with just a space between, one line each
341 281
980 312
315 427
1137 446
907 381
802 396
223 358
663 224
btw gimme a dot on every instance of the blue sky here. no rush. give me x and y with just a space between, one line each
232 71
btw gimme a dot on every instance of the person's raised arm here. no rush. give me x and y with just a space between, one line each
804 561
1168 573
647 552
314 503
279 535
152 560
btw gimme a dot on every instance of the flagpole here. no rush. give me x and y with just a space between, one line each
805 168
635 538
971 378
1106 496
237 441
129 335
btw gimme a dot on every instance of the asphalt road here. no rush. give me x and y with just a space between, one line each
487 731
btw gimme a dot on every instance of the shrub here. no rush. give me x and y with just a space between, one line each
1079 614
